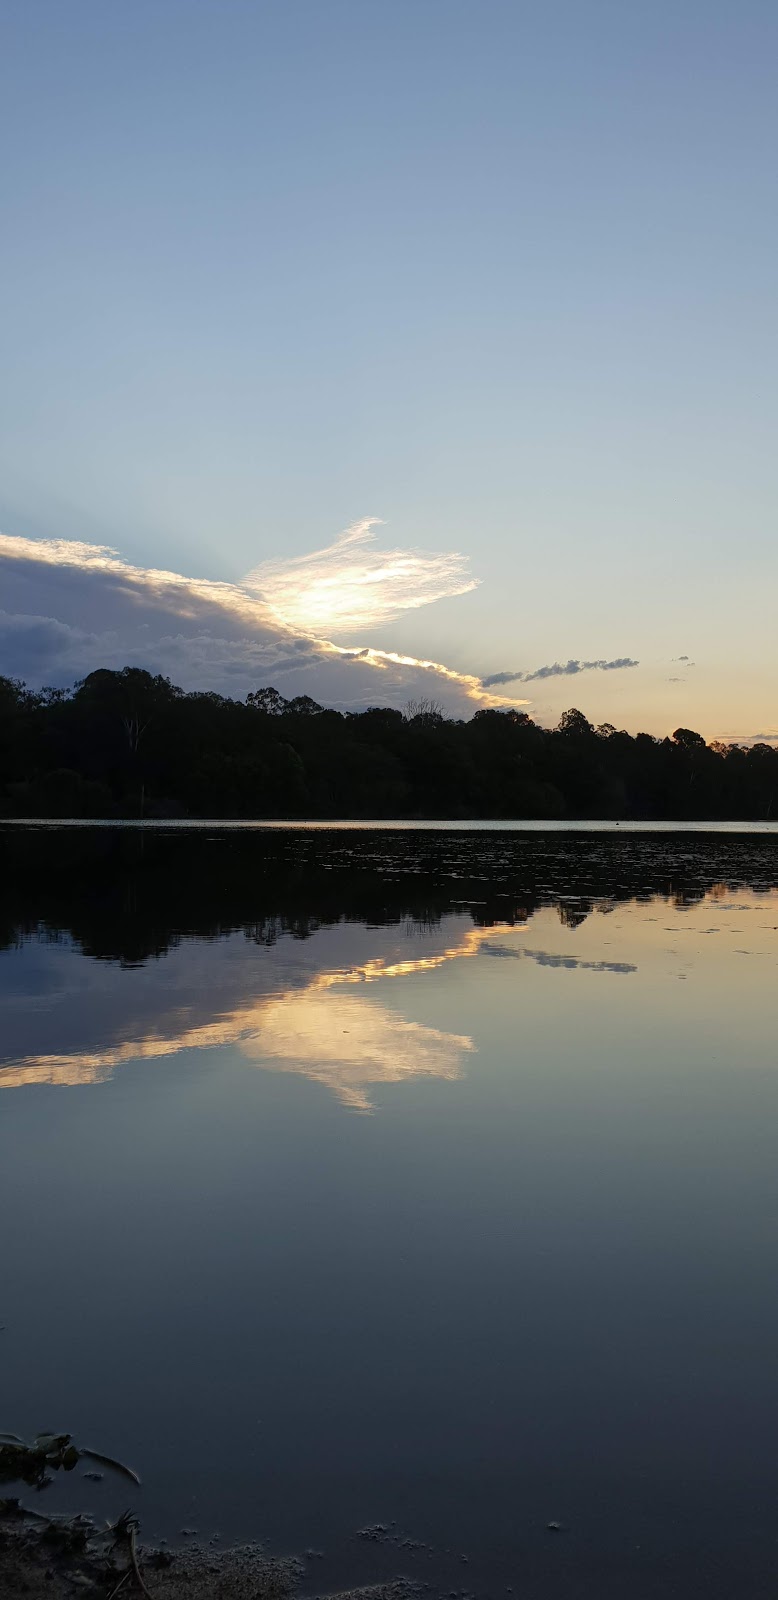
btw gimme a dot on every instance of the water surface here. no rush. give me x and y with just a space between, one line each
353 1181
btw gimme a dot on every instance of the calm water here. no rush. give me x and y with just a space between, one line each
402 1179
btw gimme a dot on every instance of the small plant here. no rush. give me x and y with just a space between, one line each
34 1463
125 1535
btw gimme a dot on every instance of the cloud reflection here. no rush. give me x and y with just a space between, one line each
350 1041
321 1030
340 1039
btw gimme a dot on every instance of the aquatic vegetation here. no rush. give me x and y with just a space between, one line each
49 1452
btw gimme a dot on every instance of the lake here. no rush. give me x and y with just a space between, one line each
401 1193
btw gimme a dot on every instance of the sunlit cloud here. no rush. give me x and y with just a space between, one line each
170 591
472 687
69 607
352 584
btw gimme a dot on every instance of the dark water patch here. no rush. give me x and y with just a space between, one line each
129 895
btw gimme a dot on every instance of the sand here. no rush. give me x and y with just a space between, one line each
34 1565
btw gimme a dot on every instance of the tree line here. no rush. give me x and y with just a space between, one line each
130 743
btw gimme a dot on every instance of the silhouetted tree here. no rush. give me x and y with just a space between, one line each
427 712
267 700
129 741
574 723
303 706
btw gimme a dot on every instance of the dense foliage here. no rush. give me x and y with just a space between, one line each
129 744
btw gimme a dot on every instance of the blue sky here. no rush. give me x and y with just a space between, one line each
501 275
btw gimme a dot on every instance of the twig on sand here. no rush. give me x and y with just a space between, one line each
125 1531
135 1567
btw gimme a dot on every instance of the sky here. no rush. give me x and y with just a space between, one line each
383 350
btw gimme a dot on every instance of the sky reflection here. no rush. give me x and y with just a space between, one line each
310 1007
531 1285
337 1038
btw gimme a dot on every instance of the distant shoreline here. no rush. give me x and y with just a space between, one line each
405 825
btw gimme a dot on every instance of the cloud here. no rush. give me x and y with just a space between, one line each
352 585
568 669
748 738
33 642
69 607
496 679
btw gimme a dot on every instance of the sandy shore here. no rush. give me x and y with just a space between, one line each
38 1565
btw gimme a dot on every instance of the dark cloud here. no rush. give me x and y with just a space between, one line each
548 958
558 669
496 679
37 644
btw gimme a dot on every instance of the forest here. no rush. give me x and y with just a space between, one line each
131 744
